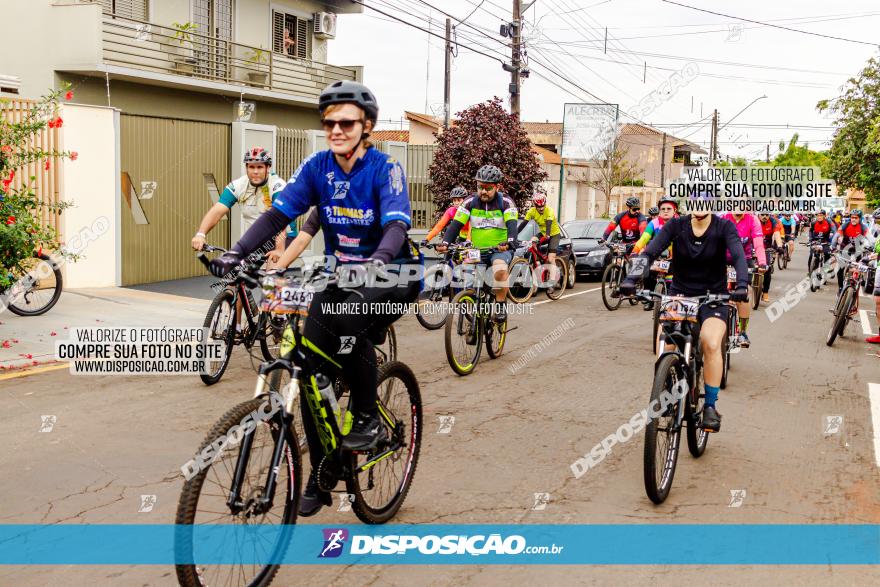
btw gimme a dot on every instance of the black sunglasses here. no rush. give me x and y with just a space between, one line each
346 125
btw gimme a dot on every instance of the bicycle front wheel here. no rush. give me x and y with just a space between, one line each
221 331
204 497
432 305
611 283
841 311
521 281
38 289
462 337
660 288
662 436
381 478
557 288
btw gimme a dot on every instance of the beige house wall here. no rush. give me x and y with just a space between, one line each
47 33
421 134
91 183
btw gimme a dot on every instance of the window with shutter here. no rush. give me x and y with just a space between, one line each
291 35
134 9
303 36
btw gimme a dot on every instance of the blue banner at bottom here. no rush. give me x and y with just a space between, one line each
654 544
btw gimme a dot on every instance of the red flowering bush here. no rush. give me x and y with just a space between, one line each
22 232
485 134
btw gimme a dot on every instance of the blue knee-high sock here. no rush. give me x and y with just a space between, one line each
711 395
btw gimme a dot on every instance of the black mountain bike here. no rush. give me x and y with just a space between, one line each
259 328
678 373
471 321
256 480
613 275
36 288
817 257
847 305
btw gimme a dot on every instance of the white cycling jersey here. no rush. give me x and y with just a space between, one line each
252 199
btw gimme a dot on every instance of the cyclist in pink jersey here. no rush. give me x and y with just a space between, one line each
752 238
457 195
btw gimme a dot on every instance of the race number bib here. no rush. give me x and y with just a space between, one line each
660 265
472 256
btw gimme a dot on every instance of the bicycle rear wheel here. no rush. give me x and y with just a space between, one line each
496 335
841 311
462 337
203 498
221 331
697 437
611 278
662 438
381 487
38 289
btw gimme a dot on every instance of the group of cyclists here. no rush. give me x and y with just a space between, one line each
358 196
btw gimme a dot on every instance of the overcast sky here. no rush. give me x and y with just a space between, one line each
794 70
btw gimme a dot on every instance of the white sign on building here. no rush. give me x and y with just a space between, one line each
588 130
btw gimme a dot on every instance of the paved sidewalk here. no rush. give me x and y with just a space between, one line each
30 341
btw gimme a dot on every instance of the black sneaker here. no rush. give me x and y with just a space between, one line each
366 432
313 499
711 419
500 312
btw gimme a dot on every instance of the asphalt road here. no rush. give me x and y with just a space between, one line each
515 435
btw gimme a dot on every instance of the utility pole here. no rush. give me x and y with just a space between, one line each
768 152
447 79
663 163
714 149
516 38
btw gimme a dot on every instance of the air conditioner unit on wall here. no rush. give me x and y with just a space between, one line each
325 25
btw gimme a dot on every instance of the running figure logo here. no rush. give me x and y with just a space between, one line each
833 424
737 497
334 539
541 501
346 344
47 423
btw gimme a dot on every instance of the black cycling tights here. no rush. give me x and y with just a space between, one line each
330 329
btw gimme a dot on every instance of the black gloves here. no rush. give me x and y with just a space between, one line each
740 294
225 263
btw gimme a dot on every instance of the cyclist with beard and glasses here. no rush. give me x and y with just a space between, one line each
700 244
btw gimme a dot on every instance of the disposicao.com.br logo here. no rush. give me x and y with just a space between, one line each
456 544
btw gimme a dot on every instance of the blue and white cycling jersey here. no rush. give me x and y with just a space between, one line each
353 207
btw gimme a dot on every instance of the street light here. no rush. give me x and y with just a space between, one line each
743 110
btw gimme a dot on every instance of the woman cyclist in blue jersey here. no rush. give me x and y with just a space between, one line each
362 202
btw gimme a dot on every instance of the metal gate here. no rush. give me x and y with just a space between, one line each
172 171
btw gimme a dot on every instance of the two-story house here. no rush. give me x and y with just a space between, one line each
187 85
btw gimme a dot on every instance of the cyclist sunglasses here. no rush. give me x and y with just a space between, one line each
486 187
346 125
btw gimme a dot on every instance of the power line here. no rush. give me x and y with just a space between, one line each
424 30
776 26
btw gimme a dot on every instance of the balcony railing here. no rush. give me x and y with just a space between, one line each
159 49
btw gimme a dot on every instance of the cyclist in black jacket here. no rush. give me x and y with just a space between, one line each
700 244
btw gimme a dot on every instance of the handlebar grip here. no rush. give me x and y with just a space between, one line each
204 260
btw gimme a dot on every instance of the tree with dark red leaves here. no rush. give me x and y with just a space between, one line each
485 134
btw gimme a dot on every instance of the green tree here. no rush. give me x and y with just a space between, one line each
792 155
854 158
485 134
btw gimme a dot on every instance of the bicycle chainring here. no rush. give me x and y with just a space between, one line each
328 474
